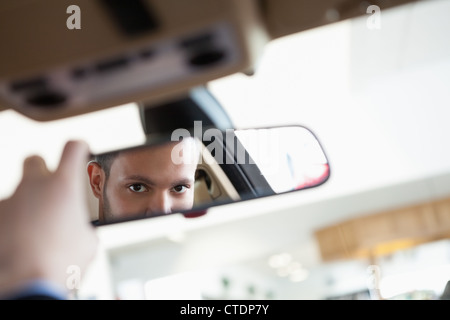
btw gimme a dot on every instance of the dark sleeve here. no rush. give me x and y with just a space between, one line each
39 290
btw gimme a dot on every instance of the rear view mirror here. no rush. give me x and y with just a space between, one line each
194 170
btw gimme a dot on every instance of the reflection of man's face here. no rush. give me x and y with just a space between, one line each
143 182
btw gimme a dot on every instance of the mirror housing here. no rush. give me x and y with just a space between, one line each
200 168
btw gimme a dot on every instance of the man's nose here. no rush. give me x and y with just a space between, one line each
159 203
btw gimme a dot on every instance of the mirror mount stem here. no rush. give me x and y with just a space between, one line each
196 105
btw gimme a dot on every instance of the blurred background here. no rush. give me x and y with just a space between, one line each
378 100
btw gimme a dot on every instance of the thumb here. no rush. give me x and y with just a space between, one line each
34 167
73 160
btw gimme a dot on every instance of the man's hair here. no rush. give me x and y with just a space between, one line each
105 161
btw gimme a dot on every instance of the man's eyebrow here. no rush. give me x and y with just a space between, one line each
150 182
140 178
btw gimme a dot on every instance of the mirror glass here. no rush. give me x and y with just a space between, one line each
199 169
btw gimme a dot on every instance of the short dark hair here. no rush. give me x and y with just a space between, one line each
105 161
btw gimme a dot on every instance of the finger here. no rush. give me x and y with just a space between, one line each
33 167
74 159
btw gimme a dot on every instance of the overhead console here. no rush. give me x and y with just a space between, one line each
123 51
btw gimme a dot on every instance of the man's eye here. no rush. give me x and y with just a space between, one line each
180 189
138 188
